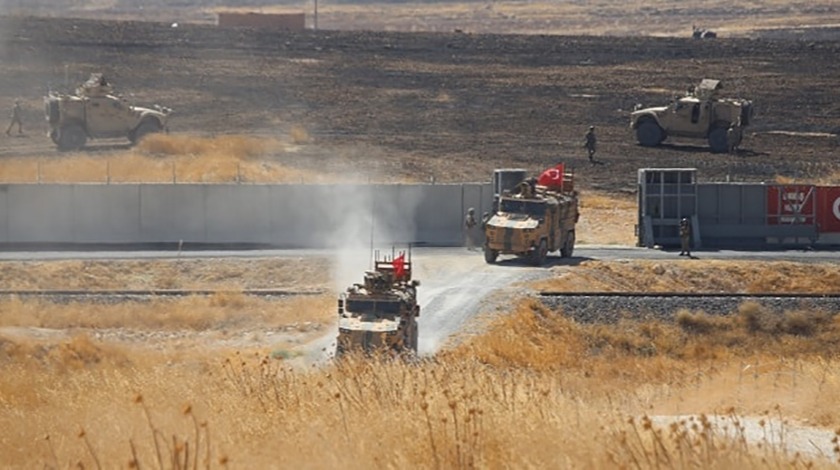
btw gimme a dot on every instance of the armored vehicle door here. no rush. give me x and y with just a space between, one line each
107 116
687 116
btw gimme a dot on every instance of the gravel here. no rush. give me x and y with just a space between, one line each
609 309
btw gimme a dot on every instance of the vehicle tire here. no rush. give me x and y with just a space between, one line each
717 140
54 136
71 137
568 245
649 134
540 253
490 255
146 127
415 337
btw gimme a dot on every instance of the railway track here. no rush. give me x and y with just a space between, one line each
608 307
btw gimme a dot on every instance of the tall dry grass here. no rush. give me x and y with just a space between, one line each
305 274
708 276
173 158
219 312
536 391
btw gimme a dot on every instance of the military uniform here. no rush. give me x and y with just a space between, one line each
685 237
15 119
469 229
589 143
733 137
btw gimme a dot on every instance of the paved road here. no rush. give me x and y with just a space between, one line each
582 252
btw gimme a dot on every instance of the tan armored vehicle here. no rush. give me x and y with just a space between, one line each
380 316
700 114
532 221
96 112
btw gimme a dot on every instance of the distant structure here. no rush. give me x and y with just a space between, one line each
272 21
700 33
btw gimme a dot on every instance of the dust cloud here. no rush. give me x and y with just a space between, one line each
365 218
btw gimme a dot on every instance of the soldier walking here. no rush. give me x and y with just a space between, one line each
589 143
685 237
469 229
15 119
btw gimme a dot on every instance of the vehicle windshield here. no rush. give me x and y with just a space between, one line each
374 307
521 206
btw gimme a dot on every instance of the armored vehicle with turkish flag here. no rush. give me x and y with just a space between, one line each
535 218
380 315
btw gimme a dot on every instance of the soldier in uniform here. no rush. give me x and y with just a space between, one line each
733 137
589 143
15 119
685 237
469 229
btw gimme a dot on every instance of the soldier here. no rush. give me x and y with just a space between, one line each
15 119
685 237
469 228
589 143
733 137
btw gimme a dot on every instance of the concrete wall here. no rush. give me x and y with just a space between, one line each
287 215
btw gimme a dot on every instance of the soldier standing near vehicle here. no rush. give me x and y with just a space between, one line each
469 229
733 137
685 237
15 119
589 143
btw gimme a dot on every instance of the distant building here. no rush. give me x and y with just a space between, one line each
272 21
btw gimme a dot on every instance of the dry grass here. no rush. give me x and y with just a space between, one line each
606 219
221 311
164 158
231 273
537 390
708 276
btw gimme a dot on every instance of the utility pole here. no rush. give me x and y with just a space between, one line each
315 20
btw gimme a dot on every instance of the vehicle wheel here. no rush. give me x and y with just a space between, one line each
568 245
148 126
540 254
490 255
71 137
415 336
649 134
717 140
54 136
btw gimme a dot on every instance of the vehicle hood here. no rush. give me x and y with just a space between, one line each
379 325
512 222
651 110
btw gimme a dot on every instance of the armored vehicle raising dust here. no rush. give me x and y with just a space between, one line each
700 114
95 112
534 219
380 316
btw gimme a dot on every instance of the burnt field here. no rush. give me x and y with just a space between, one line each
412 106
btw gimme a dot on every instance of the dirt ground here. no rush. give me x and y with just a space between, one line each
447 106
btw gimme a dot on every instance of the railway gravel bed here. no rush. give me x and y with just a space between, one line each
609 308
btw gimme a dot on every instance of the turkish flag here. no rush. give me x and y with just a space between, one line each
399 266
552 177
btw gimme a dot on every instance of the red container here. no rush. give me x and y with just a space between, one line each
791 204
828 209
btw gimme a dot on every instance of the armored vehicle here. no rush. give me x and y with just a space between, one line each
700 114
534 219
380 315
94 111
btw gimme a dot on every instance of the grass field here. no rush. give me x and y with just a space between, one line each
536 390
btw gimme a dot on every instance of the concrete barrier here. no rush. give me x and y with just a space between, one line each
283 215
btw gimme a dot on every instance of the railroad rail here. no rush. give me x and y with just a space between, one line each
784 295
